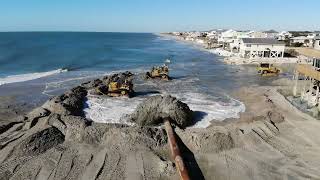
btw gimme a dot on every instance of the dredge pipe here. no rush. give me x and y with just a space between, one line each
175 151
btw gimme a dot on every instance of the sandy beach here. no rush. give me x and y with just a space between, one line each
159 90
270 140
53 139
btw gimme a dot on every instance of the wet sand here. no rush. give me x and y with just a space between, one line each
11 109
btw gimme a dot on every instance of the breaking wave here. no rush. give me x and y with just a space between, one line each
117 110
29 76
111 110
207 110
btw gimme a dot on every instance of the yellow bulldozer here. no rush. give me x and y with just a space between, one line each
116 89
267 69
160 72
117 85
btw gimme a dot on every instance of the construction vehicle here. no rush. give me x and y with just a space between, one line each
117 85
267 69
159 72
116 89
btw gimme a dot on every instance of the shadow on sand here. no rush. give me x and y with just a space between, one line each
198 116
189 160
144 93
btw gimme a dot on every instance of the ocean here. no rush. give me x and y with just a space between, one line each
35 66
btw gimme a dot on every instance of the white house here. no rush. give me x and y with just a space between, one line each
313 35
261 48
227 36
212 35
306 41
257 34
284 35
271 34
316 43
234 43
194 34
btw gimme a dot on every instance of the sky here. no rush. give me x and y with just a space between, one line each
158 15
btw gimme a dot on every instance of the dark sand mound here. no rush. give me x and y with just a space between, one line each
55 141
153 110
70 103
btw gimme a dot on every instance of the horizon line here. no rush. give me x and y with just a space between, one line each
72 31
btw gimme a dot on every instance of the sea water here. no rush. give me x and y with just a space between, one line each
35 66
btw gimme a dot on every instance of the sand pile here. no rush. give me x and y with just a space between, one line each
153 110
56 142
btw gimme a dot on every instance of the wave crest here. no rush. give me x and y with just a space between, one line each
29 76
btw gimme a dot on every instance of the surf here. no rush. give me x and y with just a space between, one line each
29 76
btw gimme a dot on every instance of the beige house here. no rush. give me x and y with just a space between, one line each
261 48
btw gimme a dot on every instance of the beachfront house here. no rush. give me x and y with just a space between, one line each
236 40
234 45
261 48
212 35
225 38
316 43
306 41
271 34
257 34
284 35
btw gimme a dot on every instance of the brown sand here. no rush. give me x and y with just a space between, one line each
271 140
309 52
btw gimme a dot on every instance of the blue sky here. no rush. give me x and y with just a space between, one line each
158 15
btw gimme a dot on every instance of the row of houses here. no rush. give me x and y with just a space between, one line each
252 44
306 41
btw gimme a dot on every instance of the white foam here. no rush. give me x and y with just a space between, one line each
206 107
221 52
116 110
110 110
208 110
63 84
28 77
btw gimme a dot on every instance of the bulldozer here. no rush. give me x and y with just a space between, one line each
116 89
117 85
159 72
267 69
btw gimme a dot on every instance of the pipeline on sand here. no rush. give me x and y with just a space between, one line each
175 151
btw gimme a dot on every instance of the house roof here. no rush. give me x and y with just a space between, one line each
261 41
